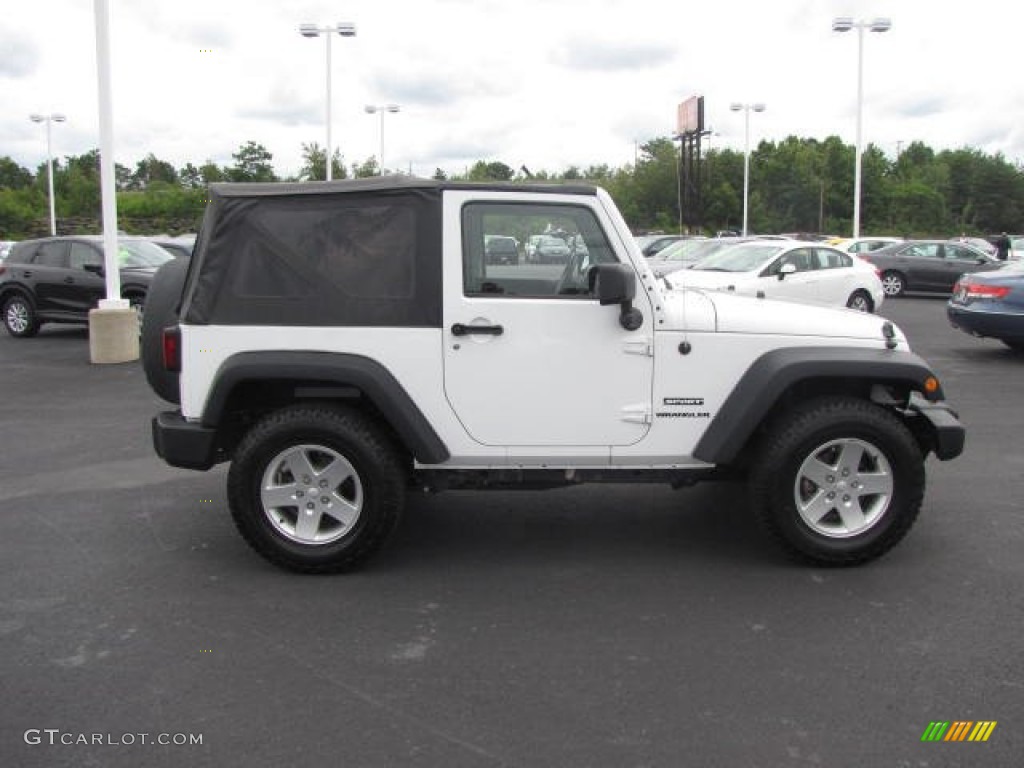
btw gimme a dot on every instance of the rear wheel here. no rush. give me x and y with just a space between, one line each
20 318
838 481
893 283
316 489
861 301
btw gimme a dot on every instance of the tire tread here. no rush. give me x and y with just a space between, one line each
796 426
363 436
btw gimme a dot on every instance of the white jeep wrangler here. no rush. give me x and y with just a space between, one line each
341 343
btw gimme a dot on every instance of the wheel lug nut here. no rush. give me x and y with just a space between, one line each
311 506
323 483
299 494
846 473
306 479
324 500
846 498
830 479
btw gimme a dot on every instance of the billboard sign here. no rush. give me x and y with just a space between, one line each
690 116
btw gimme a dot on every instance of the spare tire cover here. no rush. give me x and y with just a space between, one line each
162 311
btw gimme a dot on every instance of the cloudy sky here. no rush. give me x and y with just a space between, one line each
540 83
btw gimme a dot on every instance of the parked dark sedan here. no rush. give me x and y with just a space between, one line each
991 305
926 265
59 279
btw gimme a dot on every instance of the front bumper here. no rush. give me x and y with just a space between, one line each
945 428
183 443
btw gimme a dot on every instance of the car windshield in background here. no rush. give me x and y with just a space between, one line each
681 250
140 253
740 258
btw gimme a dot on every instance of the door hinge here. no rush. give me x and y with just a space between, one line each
643 346
637 414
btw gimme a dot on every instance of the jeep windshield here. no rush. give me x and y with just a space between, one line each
739 258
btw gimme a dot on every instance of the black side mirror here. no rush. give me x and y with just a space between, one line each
616 284
96 269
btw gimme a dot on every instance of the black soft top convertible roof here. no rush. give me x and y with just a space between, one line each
386 184
353 252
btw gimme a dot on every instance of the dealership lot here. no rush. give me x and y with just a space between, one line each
604 626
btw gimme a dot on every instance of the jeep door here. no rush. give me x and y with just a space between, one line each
531 356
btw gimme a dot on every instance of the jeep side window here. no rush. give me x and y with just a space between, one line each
531 250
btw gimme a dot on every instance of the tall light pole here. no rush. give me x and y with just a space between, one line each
845 24
345 29
736 107
382 109
49 120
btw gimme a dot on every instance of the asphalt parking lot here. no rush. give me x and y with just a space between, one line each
597 626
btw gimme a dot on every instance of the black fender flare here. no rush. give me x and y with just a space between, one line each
333 369
768 378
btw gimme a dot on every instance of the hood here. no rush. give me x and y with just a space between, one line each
695 309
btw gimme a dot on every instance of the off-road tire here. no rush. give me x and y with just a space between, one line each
20 318
793 449
307 432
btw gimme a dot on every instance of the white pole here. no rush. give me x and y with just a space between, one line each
327 34
113 275
746 166
860 109
49 171
382 111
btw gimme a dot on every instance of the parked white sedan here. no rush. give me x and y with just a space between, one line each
788 270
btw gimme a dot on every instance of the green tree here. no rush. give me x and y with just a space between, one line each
210 172
366 169
314 166
151 169
13 176
190 176
252 163
493 171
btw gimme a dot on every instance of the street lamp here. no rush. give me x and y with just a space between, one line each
49 120
736 107
345 29
382 109
845 24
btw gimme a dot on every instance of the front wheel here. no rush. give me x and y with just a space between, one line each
316 488
838 481
20 317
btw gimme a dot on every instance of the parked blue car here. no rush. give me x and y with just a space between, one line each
991 304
